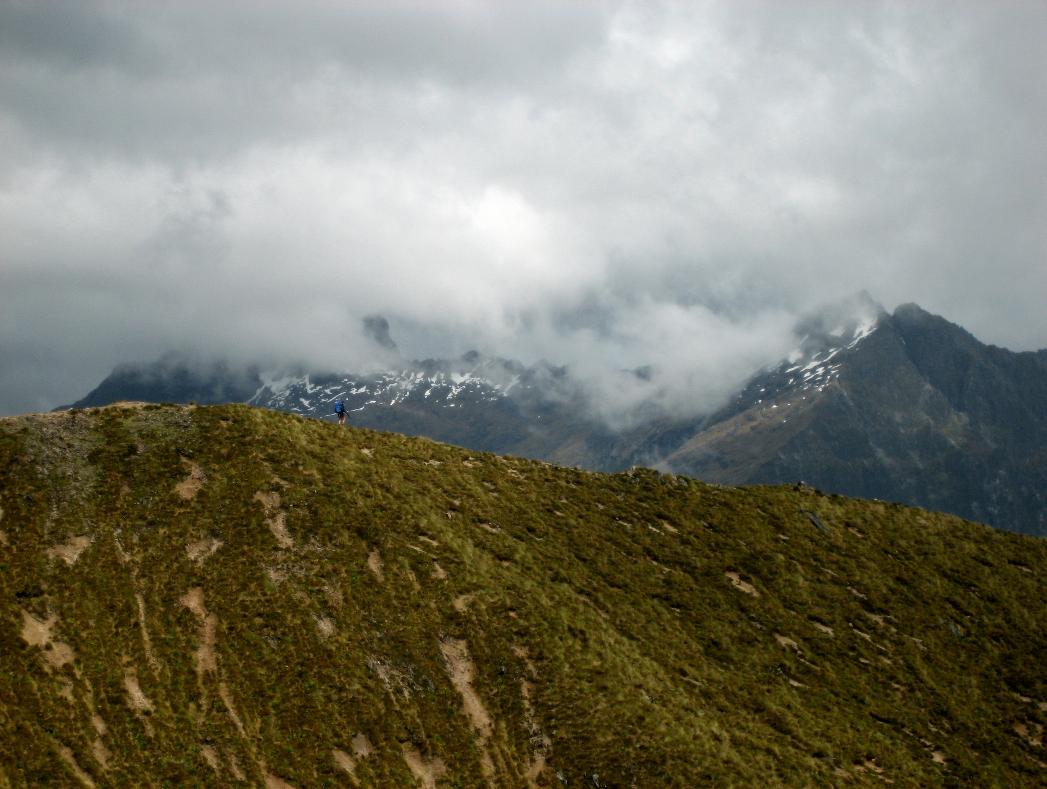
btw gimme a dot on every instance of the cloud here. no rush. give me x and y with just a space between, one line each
607 185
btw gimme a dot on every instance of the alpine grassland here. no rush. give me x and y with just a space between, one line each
221 596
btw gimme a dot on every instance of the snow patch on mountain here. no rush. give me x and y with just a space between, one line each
430 384
814 364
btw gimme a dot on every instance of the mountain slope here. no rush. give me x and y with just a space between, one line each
231 595
916 411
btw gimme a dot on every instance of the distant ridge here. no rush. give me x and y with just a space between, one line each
905 407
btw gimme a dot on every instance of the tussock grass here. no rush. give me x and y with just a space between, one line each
635 629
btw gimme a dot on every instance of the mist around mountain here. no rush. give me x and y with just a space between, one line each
228 595
905 407
914 410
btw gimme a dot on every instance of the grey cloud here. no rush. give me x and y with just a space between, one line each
607 185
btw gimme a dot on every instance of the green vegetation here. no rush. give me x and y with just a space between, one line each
207 596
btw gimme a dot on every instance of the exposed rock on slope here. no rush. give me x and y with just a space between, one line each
341 607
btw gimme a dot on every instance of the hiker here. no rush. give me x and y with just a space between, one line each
339 408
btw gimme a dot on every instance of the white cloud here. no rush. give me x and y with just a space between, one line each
608 185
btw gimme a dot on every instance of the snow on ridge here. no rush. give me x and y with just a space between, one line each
863 330
442 388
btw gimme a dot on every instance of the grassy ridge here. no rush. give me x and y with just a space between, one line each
221 595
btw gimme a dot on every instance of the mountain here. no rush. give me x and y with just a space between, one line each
229 595
175 378
485 404
905 407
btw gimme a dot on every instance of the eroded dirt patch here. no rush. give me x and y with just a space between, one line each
205 653
211 757
70 551
1032 733
276 519
425 771
362 747
462 602
276 782
135 696
235 768
786 642
147 644
539 742
227 700
37 633
740 585
66 753
325 626
191 485
462 670
394 680
101 753
345 762
375 565
202 549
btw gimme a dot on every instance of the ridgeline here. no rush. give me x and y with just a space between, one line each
227 595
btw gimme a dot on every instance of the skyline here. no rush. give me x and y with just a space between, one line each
605 185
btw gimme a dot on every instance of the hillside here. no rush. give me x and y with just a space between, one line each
229 595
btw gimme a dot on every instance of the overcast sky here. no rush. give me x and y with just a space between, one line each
600 184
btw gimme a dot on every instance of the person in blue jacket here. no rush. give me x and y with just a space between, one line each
339 408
